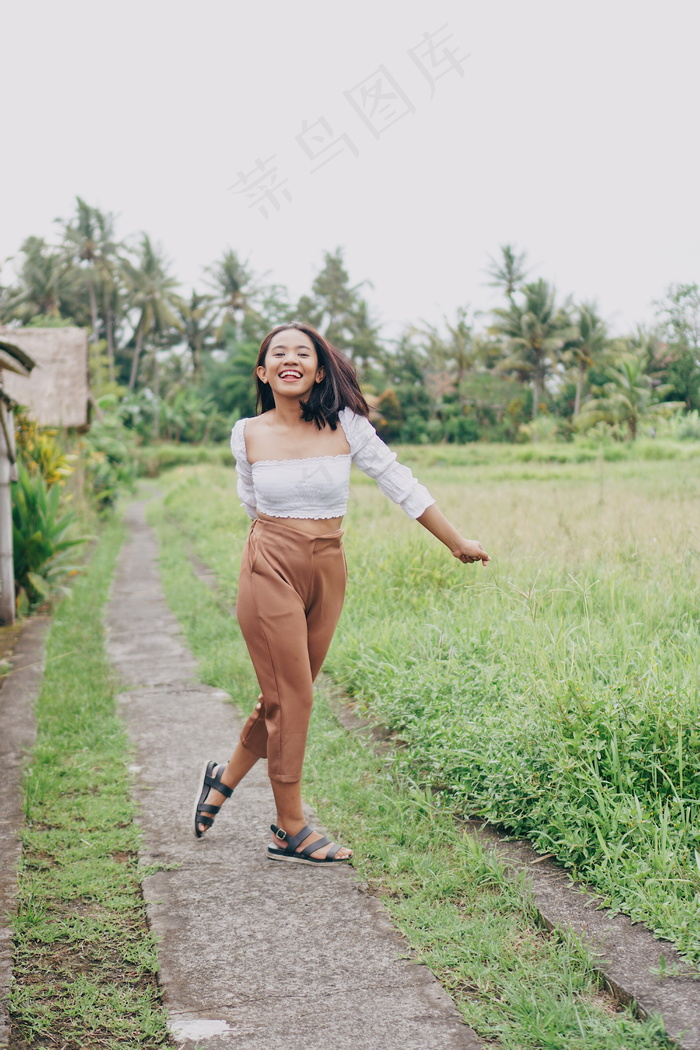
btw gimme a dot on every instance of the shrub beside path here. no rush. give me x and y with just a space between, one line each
252 954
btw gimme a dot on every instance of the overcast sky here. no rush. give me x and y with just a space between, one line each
419 136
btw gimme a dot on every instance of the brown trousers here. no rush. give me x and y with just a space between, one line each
290 596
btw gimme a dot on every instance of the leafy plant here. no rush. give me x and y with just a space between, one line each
41 451
40 543
108 451
689 427
544 428
627 398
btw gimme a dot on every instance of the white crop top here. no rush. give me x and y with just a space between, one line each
318 486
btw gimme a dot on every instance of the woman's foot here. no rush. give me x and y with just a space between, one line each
298 847
211 795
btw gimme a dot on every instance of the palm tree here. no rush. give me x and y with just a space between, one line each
197 321
228 382
680 313
535 332
588 346
334 306
5 312
88 242
232 283
510 272
151 292
459 351
268 307
113 304
44 279
366 346
627 398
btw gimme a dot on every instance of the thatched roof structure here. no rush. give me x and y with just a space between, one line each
56 392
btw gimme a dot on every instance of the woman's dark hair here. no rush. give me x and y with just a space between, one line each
338 389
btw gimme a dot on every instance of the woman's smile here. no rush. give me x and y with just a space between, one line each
291 360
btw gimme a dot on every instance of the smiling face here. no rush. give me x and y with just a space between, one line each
291 365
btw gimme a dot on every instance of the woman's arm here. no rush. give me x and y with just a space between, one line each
245 486
397 482
436 523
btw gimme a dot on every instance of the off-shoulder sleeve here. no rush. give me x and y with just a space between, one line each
244 487
376 459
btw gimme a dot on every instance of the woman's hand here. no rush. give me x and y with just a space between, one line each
435 521
470 551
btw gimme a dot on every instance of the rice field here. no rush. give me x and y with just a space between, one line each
554 692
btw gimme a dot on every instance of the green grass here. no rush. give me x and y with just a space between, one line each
554 692
474 927
84 960
152 459
582 450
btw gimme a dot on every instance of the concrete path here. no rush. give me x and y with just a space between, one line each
253 954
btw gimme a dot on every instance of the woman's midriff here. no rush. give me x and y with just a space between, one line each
311 526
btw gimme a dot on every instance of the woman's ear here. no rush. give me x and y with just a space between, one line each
261 373
321 374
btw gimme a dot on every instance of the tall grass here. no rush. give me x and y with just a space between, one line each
461 914
554 692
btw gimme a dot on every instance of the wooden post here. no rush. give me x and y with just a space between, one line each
8 472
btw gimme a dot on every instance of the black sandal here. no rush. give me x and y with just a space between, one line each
210 781
304 855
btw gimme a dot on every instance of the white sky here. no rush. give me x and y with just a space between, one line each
569 129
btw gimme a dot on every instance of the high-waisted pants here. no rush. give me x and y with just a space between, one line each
290 595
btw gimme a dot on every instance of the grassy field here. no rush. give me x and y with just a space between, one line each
151 460
554 692
517 985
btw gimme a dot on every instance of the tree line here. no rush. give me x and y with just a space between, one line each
178 365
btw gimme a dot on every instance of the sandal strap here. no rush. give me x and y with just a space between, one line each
292 840
295 840
207 807
203 819
218 785
313 846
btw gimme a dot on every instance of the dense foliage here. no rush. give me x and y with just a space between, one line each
180 364
41 541
64 480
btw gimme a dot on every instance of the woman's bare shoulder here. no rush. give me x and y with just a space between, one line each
254 424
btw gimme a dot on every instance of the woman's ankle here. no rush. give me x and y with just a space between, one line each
292 825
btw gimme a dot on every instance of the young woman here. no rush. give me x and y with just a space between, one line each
293 462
